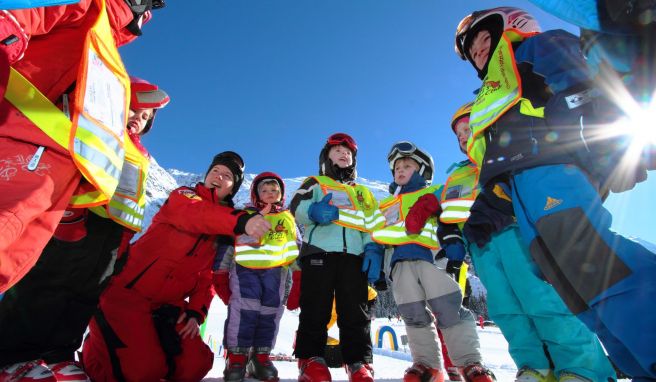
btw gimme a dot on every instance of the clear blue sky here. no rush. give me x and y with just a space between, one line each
272 79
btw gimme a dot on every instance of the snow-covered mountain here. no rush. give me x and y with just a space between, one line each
161 182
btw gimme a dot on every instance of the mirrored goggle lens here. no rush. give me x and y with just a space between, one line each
157 4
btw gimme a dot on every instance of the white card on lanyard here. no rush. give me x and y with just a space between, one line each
104 95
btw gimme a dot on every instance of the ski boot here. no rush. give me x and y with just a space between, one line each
313 370
32 371
235 365
476 372
420 373
260 366
360 372
526 374
571 377
69 371
453 374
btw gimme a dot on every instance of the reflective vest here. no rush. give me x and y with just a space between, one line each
128 205
96 135
395 209
276 248
358 209
459 193
501 90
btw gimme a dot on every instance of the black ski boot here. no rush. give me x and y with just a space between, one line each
260 365
235 365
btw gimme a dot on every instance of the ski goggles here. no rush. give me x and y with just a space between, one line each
232 157
342 139
401 149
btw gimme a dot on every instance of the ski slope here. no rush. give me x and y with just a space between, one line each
493 345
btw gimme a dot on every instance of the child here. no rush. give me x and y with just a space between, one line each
253 282
146 326
605 279
75 266
421 290
528 311
337 259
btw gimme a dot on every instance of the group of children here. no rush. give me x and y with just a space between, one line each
526 205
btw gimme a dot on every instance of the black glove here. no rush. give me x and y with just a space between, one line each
453 268
381 284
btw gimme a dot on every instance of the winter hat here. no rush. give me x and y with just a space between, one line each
262 179
328 168
234 163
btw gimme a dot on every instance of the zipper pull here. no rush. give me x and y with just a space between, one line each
34 162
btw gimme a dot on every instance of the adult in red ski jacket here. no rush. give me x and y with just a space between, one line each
35 197
144 329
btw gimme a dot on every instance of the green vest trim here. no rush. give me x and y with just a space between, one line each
459 194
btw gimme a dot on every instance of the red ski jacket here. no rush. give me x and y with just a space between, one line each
56 36
173 259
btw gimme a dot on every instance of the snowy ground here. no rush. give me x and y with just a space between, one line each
493 344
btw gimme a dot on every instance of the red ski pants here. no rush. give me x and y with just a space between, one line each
122 339
32 203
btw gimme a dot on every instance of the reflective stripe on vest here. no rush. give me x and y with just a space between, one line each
501 90
459 193
462 278
127 206
395 209
358 209
96 134
277 248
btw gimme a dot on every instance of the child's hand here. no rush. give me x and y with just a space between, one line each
266 209
323 212
426 206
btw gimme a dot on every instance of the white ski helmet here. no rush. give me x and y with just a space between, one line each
495 20
405 149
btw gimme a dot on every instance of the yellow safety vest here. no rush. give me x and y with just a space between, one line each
459 193
395 209
358 209
128 205
96 135
276 248
501 90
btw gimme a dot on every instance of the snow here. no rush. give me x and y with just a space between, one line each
493 346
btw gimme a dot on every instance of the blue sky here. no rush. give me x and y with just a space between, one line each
271 79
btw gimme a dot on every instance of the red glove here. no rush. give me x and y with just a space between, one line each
294 298
426 206
221 285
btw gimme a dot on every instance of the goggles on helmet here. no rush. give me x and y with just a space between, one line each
157 4
405 149
342 139
233 157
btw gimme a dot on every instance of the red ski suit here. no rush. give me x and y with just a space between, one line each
33 202
172 261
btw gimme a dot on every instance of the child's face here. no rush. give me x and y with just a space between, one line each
403 170
220 179
269 193
463 132
480 48
137 120
340 156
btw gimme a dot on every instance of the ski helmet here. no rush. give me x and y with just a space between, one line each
234 163
145 95
328 168
462 111
496 21
405 149
262 178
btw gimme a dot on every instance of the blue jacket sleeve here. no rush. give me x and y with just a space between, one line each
556 56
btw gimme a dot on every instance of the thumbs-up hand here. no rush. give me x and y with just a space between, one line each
323 212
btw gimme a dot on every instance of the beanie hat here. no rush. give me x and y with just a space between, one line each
234 163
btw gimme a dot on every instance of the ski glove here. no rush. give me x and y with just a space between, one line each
455 251
373 260
453 268
323 212
426 206
220 280
294 299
